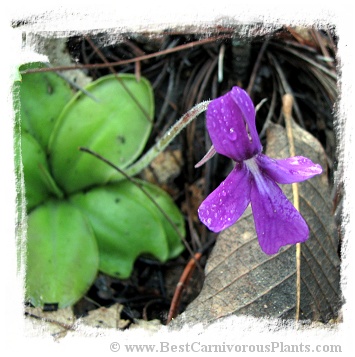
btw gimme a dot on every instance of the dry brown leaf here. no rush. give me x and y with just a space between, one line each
241 279
151 325
54 323
105 318
164 168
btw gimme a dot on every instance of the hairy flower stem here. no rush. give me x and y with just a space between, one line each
168 137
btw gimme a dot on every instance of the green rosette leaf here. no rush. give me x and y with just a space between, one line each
124 227
159 202
38 182
115 124
61 255
42 96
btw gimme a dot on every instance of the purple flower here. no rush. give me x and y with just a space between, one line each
254 178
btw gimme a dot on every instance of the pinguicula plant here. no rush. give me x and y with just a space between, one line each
231 126
83 215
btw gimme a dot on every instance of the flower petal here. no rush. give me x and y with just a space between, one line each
228 201
245 104
231 125
277 222
293 169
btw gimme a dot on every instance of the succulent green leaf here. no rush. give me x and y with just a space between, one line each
158 201
61 255
115 124
37 180
42 96
124 228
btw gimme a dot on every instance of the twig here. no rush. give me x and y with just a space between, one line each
326 55
330 73
287 102
204 77
167 96
100 54
269 114
185 278
75 85
52 321
222 51
298 37
286 87
183 281
256 66
131 60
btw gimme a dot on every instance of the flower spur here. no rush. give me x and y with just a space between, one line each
230 121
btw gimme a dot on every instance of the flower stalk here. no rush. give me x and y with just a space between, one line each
168 137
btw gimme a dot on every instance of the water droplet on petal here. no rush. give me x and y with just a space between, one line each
232 135
209 221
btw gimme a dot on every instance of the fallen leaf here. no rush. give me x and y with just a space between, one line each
105 318
242 280
55 323
63 323
164 168
151 326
